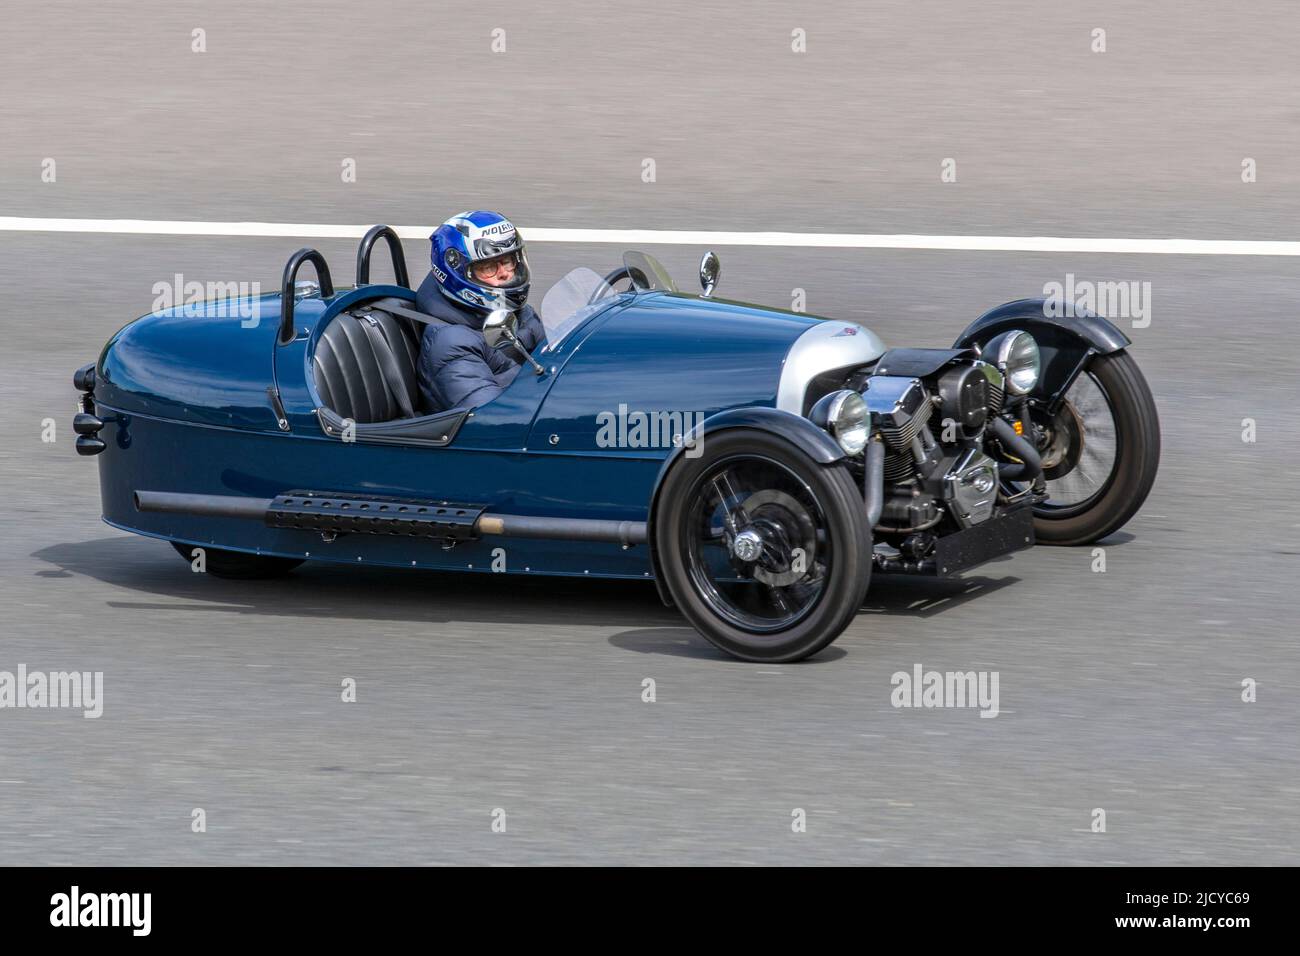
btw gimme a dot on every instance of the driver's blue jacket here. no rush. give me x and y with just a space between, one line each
457 368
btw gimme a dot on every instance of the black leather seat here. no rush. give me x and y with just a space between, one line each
349 375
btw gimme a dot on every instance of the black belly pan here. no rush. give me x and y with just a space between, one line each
1009 530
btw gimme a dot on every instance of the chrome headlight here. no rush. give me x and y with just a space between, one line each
843 414
1015 353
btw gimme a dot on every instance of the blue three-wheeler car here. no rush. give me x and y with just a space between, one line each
757 464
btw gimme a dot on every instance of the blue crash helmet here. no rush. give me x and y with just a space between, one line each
468 241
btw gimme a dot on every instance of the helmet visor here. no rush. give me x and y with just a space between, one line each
501 272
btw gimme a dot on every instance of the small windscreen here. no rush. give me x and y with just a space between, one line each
648 274
570 301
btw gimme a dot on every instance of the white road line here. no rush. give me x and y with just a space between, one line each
636 237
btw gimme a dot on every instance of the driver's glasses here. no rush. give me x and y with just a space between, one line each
502 267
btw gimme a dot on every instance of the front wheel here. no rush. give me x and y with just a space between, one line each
766 552
1100 450
236 564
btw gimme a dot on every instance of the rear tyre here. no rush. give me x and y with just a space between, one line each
236 564
1126 424
766 552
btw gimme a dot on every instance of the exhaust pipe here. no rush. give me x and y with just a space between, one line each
1032 464
626 533
209 506
873 481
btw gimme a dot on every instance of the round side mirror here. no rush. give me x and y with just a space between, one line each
500 324
710 271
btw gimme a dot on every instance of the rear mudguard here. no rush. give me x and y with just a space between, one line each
1067 338
798 431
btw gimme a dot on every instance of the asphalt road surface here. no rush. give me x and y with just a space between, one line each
1119 690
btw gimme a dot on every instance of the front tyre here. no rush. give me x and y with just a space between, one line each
766 552
236 564
1101 451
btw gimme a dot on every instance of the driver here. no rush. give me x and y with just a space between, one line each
478 265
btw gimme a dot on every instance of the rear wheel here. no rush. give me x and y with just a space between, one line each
766 552
1100 450
237 564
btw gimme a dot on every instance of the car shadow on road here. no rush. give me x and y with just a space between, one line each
890 594
153 571
682 641
924 597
